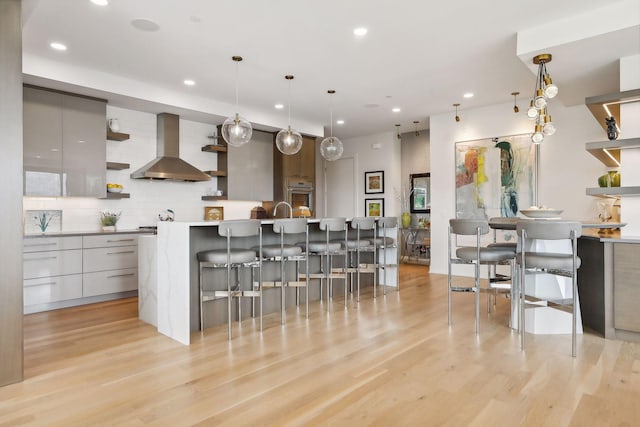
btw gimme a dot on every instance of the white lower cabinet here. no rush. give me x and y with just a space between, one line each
58 270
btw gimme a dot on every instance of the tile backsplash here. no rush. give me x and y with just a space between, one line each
148 198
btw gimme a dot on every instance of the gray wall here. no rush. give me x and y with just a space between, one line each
415 154
11 195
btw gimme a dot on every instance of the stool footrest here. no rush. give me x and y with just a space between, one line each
227 293
463 289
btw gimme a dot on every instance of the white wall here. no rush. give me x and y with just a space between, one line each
148 198
372 153
566 167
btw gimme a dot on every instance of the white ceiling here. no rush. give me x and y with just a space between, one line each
421 56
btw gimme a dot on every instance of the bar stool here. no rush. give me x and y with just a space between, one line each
473 255
286 252
233 258
561 264
359 245
383 242
327 250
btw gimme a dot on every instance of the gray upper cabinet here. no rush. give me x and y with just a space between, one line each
64 144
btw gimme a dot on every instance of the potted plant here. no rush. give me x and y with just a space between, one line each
108 220
405 198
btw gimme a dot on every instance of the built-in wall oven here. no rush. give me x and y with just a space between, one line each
300 193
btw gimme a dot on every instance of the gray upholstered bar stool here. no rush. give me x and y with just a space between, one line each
327 249
561 264
383 242
284 252
473 255
241 234
362 243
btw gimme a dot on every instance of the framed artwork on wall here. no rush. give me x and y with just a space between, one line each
213 213
420 196
374 207
374 182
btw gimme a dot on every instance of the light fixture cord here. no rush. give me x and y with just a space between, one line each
289 103
331 114
237 81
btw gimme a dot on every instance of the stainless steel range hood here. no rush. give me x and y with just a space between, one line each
167 164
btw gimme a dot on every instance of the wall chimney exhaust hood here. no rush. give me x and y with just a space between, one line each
167 164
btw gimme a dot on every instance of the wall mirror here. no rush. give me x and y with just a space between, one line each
420 198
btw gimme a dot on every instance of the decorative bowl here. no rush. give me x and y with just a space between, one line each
542 213
114 189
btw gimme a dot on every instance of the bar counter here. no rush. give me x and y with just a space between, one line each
177 273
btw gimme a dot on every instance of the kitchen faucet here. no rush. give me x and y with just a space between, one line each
275 209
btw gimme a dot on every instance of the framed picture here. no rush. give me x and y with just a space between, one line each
374 182
374 207
420 196
213 213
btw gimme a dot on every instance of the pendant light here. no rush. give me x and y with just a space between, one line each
457 116
539 106
398 131
236 130
288 140
415 122
515 102
331 147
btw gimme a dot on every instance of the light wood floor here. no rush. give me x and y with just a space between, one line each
389 362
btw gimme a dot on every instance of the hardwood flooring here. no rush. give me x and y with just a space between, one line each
392 361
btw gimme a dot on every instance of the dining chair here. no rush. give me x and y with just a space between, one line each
532 262
475 255
239 238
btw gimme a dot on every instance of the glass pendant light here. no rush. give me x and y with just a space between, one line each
532 112
236 130
457 116
537 136
288 140
331 147
544 90
515 102
548 128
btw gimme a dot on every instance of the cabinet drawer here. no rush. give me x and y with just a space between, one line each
52 263
109 282
52 289
39 244
105 241
101 259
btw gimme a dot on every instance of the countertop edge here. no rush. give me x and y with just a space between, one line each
85 233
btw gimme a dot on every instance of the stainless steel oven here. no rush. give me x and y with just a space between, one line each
300 193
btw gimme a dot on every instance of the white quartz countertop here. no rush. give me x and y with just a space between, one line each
85 233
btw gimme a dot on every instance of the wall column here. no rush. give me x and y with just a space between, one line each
11 342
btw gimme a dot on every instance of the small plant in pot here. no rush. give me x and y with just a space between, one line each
108 220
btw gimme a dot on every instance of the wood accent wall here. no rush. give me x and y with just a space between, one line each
11 347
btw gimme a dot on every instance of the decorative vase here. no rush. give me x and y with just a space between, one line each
108 228
406 219
612 131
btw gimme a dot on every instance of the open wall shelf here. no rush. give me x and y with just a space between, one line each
115 166
116 136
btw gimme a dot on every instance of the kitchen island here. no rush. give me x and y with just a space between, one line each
177 274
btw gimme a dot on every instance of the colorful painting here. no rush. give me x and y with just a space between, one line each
494 177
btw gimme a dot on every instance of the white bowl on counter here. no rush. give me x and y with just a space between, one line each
541 213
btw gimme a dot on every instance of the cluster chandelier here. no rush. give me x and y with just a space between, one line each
331 147
545 90
288 140
236 130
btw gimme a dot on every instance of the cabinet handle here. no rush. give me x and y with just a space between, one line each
121 252
41 258
41 244
121 275
40 284
120 240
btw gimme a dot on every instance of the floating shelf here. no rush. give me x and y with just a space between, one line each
612 101
117 166
213 198
116 136
613 191
215 148
216 173
114 196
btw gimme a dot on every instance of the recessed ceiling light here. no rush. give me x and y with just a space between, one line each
279 106
58 46
100 2
143 24
340 122
189 82
396 109
360 31
468 95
